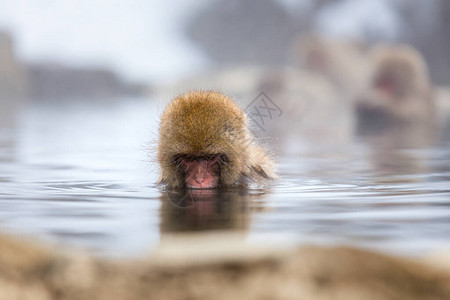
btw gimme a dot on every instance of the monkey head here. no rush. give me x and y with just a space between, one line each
399 88
204 142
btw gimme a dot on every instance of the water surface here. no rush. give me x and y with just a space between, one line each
83 175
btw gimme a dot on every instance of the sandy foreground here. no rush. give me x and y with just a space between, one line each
218 266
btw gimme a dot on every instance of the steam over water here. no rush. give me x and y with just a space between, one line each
84 175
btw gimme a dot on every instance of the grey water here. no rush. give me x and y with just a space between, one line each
83 175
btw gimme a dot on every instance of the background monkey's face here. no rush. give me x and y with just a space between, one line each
396 80
399 88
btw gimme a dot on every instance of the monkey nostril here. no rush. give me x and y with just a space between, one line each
199 177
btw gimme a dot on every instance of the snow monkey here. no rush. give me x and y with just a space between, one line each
205 143
399 91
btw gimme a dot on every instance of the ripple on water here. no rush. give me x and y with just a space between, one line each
81 177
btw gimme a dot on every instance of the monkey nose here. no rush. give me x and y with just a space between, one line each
200 178
200 173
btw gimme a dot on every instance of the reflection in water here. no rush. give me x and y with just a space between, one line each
397 148
8 141
7 132
80 175
197 210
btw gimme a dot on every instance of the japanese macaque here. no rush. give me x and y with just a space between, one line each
399 91
396 112
205 143
14 83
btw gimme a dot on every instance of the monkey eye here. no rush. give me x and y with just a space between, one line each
179 160
186 160
217 158
211 157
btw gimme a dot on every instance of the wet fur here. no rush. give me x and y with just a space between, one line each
206 123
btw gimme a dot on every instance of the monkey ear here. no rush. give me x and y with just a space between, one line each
161 181
255 174
260 171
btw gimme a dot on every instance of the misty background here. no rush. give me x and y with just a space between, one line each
83 84
78 49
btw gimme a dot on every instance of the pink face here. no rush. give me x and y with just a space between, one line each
317 61
386 84
201 172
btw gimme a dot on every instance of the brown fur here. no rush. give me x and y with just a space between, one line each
203 123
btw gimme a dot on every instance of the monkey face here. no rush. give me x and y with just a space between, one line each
317 60
200 172
385 83
205 143
395 81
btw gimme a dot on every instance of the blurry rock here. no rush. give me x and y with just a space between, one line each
13 79
217 266
59 82
51 81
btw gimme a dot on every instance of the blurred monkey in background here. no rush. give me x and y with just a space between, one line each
399 91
